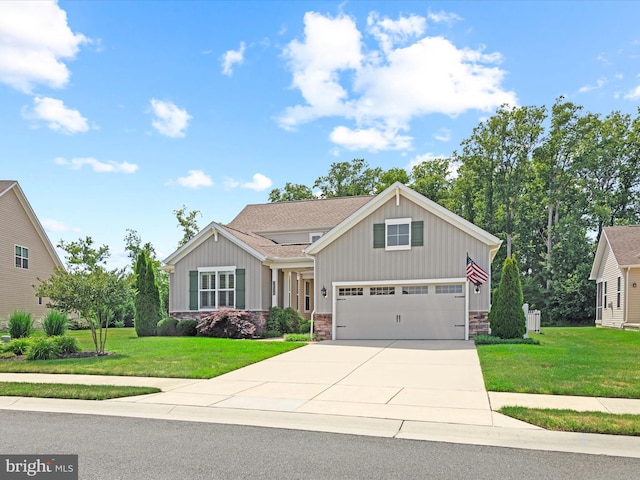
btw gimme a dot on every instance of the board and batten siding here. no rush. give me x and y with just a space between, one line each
634 296
352 257
609 272
220 253
16 284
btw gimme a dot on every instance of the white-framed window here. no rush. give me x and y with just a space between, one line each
307 295
216 288
21 256
315 236
448 288
397 234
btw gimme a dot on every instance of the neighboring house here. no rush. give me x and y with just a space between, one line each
616 269
27 254
390 266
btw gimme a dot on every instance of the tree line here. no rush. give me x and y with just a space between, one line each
545 181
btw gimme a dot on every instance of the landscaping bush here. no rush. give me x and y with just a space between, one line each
187 328
20 324
119 323
44 348
506 317
491 340
305 327
18 346
227 323
54 323
147 302
271 334
167 327
284 320
77 324
67 344
297 337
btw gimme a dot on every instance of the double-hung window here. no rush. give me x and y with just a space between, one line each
398 234
22 257
217 288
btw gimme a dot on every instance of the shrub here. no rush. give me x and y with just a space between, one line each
67 344
147 303
491 340
119 323
18 346
227 323
297 337
506 317
43 348
271 334
187 328
167 327
54 323
6 355
77 323
284 320
305 327
20 324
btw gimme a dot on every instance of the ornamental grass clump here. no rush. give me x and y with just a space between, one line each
67 344
44 348
20 324
54 323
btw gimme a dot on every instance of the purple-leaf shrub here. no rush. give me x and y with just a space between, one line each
227 323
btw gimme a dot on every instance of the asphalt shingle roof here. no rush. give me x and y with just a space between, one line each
625 243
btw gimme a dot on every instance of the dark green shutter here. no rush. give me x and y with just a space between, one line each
417 234
240 290
193 290
378 235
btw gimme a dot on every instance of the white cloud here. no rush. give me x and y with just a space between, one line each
443 135
383 91
59 118
96 165
633 94
442 16
372 139
195 179
259 183
169 119
599 84
54 226
34 40
231 58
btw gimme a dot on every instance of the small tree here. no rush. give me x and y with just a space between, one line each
148 311
506 317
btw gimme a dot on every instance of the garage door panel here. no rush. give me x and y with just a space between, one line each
399 316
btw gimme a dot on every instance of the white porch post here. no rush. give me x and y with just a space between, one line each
287 290
274 287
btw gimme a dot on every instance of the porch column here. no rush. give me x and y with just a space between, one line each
287 290
274 287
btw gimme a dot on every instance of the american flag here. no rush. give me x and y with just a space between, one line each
475 274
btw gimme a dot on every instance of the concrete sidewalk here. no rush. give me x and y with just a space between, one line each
405 389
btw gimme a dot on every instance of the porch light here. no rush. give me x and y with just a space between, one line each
324 291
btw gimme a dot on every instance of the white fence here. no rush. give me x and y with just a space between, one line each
533 319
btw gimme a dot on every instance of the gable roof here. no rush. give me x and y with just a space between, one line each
625 246
396 190
12 185
297 215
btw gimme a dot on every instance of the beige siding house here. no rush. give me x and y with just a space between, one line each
390 266
27 254
616 269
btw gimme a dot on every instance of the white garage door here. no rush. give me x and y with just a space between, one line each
421 312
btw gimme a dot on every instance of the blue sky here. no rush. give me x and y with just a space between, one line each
114 114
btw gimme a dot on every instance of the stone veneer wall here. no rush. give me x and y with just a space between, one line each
258 317
322 326
478 323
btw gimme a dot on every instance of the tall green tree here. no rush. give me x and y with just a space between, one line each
148 310
87 287
506 318
432 179
346 179
291 192
188 221
391 176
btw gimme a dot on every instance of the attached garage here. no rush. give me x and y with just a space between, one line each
400 311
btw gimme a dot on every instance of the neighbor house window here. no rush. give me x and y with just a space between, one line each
217 288
448 288
398 234
619 293
22 257
315 236
605 295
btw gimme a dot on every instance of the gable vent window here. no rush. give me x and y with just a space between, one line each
22 257
398 234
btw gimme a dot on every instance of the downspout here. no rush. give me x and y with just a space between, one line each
313 312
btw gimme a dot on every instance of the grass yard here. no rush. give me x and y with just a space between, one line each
174 357
77 392
587 361
572 421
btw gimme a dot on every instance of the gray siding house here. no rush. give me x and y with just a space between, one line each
390 266
27 254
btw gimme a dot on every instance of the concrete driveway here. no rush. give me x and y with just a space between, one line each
432 381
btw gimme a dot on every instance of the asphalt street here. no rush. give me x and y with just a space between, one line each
112 448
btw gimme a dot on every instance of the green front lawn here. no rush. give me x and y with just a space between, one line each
176 357
79 392
588 361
